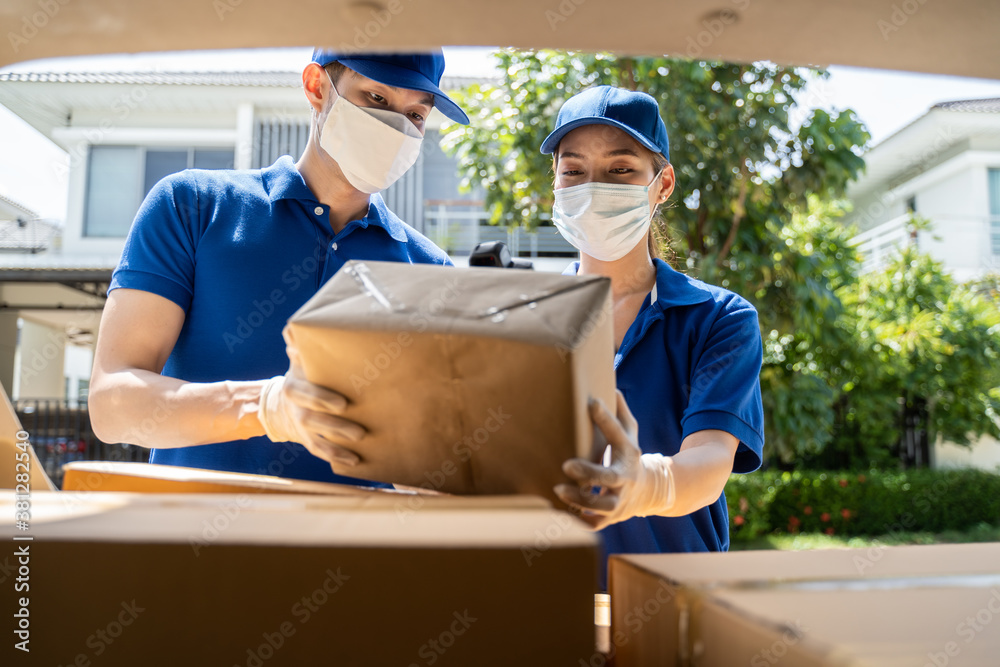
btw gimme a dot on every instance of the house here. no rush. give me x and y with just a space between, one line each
123 131
944 167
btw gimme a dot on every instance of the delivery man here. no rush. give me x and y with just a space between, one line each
217 261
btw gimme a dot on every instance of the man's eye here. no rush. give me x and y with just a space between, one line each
378 98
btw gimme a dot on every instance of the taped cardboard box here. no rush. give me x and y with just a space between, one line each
908 605
154 478
470 381
257 580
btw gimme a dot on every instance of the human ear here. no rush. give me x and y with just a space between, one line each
316 85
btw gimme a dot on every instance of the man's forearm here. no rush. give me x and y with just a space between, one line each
148 409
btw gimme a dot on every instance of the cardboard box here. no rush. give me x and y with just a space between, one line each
911 605
154 478
259 580
470 381
18 454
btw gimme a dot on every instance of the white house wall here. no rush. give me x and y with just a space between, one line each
957 205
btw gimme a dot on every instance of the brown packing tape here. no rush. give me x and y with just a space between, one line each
470 381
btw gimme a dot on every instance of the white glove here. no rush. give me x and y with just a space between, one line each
292 409
635 484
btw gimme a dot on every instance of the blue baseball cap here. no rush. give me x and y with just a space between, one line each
415 71
632 112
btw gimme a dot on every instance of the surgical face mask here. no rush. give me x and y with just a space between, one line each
373 147
603 220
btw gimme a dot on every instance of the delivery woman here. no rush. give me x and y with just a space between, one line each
688 354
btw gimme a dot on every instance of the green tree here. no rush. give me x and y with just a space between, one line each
750 211
930 356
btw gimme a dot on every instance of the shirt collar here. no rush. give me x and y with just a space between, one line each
673 288
283 181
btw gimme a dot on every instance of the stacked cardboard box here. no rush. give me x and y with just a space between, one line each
262 579
913 605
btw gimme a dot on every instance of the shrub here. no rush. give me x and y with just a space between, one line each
865 503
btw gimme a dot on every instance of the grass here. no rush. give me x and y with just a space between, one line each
981 533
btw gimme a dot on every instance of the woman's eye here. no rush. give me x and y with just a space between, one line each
416 116
621 170
571 172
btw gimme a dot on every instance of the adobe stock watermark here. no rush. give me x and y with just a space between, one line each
462 451
968 629
544 539
212 529
898 17
32 24
121 108
263 309
418 322
302 611
103 637
435 647
713 25
633 621
778 649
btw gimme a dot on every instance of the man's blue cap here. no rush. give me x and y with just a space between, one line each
636 113
415 71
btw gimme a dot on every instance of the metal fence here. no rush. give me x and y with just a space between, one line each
60 432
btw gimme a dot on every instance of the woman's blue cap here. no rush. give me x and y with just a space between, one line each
415 71
632 112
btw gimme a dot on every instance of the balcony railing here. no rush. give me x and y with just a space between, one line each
967 246
60 432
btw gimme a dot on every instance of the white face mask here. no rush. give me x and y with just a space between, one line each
373 147
603 220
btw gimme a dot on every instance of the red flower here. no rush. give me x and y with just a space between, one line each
825 516
793 521
843 482
739 520
807 510
845 513
861 478
829 531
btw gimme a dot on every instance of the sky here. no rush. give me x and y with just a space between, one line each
885 101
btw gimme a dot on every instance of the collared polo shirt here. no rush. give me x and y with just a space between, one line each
689 362
240 252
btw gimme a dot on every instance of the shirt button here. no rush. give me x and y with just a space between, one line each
318 210
334 246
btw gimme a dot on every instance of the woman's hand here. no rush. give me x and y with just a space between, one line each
633 484
293 409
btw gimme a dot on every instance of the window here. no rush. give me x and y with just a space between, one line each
911 205
994 187
119 177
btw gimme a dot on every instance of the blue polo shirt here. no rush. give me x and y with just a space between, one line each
240 252
689 362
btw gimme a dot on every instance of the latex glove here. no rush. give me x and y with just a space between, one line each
293 409
634 484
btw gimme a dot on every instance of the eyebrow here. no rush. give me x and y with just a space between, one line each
427 99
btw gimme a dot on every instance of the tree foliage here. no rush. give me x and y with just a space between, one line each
756 210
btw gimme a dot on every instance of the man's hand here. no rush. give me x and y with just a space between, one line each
633 485
292 409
